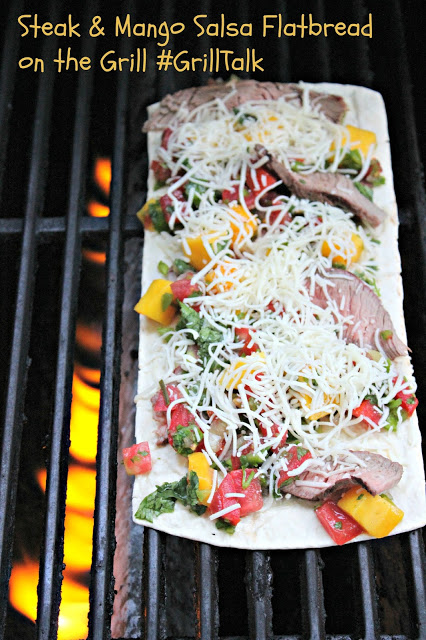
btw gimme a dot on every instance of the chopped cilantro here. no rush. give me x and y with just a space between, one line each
163 499
189 318
386 335
337 525
180 267
351 160
361 495
166 301
185 441
223 525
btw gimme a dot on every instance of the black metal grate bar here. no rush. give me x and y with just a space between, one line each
207 601
21 334
7 80
46 228
419 573
52 557
368 591
101 593
259 594
152 590
315 615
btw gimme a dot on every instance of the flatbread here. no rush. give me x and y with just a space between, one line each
284 524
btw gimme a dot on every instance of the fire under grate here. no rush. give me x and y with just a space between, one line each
167 587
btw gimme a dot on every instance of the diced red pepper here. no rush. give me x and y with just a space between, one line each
274 305
368 410
180 416
409 401
245 334
220 501
295 456
137 459
159 402
182 289
250 486
160 170
338 524
166 137
264 179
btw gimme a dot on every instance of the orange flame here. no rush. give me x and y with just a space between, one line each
74 606
97 210
81 485
102 174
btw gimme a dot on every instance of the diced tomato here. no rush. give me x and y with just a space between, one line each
295 456
182 289
252 500
274 305
368 410
275 429
236 462
220 501
245 334
159 402
160 170
166 201
232 195
137 459
166 137
274 215
338 524
409 401
264 179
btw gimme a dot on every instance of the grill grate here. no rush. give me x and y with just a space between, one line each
268 602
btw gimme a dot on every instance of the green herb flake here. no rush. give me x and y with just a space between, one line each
386 335
166 301
180 267
337 525
361 495
225 526
163 268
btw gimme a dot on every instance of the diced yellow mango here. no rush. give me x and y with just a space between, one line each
345 258
236 372
361 139
198 255
243 223
198 462
376 514
143 214
219 272
152 304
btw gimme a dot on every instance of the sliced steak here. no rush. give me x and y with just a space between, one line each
333 188
353 297
333 107
378 475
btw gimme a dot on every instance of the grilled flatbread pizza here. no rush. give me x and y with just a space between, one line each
276 401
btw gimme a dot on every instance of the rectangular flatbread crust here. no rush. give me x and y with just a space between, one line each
284 524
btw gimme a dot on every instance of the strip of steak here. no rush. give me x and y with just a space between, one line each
380 474
332 188
353 297
333 107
